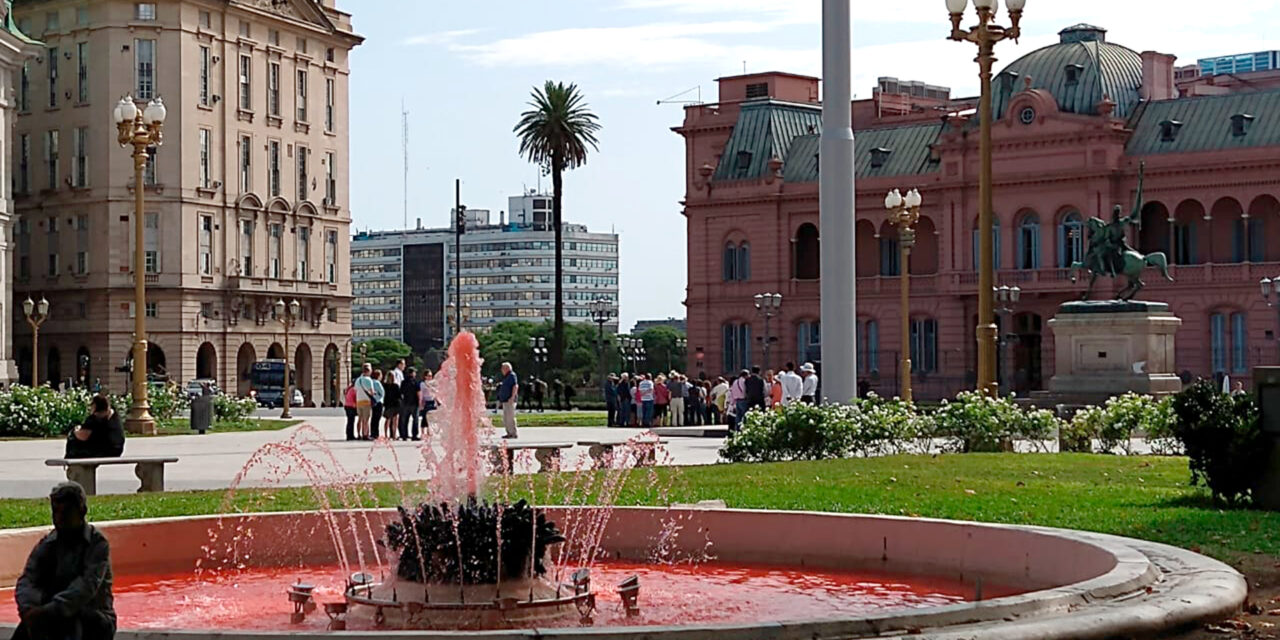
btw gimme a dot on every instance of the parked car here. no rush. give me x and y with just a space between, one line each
270 398
195 388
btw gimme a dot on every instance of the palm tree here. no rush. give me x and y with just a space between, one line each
556 133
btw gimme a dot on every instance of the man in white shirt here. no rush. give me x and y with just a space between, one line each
792 384
397 374
809 391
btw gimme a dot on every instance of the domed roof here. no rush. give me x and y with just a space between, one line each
1079 70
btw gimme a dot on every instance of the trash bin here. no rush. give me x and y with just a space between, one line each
202 412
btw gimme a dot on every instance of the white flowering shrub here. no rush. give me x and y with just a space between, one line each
41 412
231 409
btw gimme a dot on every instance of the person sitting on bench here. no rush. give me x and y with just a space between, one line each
64 592
100 436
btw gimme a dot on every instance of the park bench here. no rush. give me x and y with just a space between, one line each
644 449
85 471
503 456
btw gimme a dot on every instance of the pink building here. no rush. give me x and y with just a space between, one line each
1075 120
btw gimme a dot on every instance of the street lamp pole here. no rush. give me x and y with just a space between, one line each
140 129
985 34
682 345
1271 292
767 305
904 211
36 313
1007 298
288 315
460 227
600 313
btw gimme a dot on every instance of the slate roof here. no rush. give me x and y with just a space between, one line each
1100 68
908 153
1206 123
765 130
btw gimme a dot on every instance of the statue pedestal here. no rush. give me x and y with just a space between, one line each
1106 348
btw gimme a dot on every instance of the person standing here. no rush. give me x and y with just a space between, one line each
508 395
675 386
426 401
792 384
738 399
646 395
409 404
391 404
396 375
569 393
366 395
379 398
773 387
610 389
624 401
809 394
757 390
100 436
349 404
64 591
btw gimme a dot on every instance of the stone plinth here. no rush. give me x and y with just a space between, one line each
1106 348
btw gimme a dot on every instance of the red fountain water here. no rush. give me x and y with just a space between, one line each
462 414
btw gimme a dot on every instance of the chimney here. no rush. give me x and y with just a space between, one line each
419 224
1157 76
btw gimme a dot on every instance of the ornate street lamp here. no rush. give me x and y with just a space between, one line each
904 211
287 316
540 351
682 345
139 129
1007 298
767 305
36 313
601 312
985 34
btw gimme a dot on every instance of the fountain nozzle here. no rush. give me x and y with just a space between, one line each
629 591
300 595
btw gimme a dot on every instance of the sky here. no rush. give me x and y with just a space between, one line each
464 70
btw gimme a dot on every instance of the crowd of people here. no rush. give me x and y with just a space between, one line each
394 405
646 400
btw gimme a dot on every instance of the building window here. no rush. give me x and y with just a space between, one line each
273 37
995 242
246 248
273 89
24 88
51 22
304 252
206 20
53 76
330 89
302 155
82 16
331 256
301 44
924 345
329 54
206 245
149 171
1070 240
1239 344
807 260
246 75
82 245
144 11
808 342
145 64
151 310
51 158
302 95
1029 242
245 29
80 162
869 347
1184 243
246 161
205 60
151 243
889 254
737 262
23 233
275 231
1228 343
82 72
206 144
273 161
736 347
330 184
53 246
22 181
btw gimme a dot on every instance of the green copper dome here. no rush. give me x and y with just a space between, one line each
1078 71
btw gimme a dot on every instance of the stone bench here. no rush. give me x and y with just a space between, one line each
645 450
503 456
85 471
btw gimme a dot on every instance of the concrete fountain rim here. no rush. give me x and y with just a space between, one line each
1151 586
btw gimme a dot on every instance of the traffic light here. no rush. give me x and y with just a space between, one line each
462 219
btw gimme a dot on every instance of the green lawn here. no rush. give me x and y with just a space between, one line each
562 419
1143 497
182 426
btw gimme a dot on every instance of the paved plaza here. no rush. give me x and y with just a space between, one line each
212 461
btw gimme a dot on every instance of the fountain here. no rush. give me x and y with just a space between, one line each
467 553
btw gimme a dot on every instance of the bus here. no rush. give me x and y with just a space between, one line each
266 383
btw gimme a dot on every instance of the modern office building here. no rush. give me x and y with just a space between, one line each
403 281
644 325
1074 123
1240 63
246 200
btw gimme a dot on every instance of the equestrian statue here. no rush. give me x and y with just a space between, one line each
1110 255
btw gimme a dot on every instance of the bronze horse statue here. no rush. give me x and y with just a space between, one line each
1109 253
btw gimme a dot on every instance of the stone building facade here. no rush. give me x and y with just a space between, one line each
246 200
1074 123
15 49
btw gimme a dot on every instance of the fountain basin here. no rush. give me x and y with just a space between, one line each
1073 584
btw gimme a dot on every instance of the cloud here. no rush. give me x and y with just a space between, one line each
441 37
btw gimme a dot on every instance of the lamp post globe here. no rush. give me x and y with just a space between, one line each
957 6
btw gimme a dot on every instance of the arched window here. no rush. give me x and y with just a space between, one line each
1228 343
808 342
924 345
890 251
868 346
744 261
730 262
1029 242
995 240
807 260
1070 240
735 266
735 347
